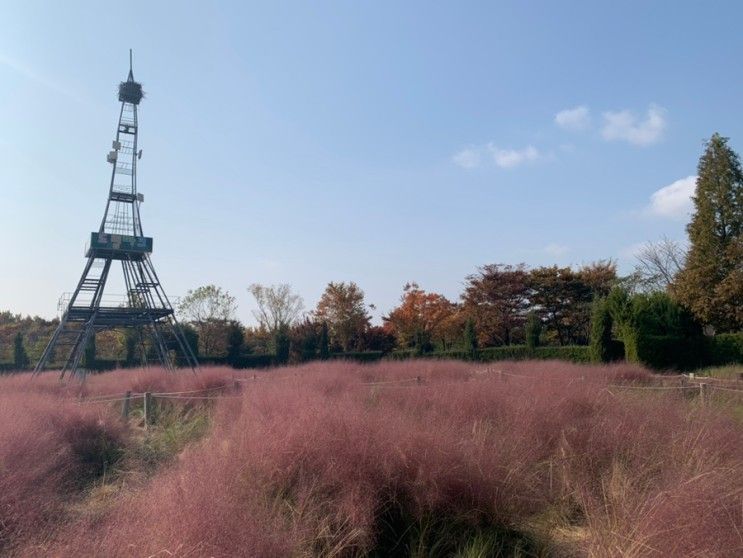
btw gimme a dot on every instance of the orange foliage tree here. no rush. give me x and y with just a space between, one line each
423 318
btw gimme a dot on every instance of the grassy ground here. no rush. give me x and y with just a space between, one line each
729 372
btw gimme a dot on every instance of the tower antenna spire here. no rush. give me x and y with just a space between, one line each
131 73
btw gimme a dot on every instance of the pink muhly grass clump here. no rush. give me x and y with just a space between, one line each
48 449
118 382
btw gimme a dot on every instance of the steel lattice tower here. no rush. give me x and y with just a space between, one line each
145 307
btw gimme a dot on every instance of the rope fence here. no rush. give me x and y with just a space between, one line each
701 385
190 397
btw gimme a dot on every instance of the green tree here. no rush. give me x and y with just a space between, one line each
282 344
324 343
191 337
209 309
470 339
342 307
131 341
533 330
711 282
89 353
304 339
641 316
20 357
601 327
235 342
496 298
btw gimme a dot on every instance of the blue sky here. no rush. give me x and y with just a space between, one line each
376 142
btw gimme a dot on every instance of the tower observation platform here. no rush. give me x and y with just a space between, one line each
120 240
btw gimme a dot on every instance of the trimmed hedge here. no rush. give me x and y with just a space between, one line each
726 348
572 353
666 352
246 361
403 354
360 356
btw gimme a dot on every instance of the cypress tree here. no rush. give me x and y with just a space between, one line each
324 351
282 344
89 361
600 338
711 283
192 337
131 339
470 339
533 330
308 346
235 341
20 357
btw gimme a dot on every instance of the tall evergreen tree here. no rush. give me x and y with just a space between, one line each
324 350
235 342
601 326
282 344
470 339
89 360
20 357
131 343
533 330
711 282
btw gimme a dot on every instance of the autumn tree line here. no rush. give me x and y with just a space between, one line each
681 307
495 309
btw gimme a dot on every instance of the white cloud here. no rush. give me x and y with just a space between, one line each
473 157
625 125
574 119
556 250
468 158
673 201
509 158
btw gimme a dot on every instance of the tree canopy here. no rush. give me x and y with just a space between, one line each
421 316
278 306
711 282
209 309
342 307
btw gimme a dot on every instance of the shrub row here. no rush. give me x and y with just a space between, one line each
365 356
7 367
570 353
726 348
661 352
665 352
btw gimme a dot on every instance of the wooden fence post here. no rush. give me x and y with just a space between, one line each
148 410
702 392
127 403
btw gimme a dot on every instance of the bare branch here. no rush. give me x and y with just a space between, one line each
277 306
658 263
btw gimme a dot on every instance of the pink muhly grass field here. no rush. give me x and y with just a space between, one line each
343 459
